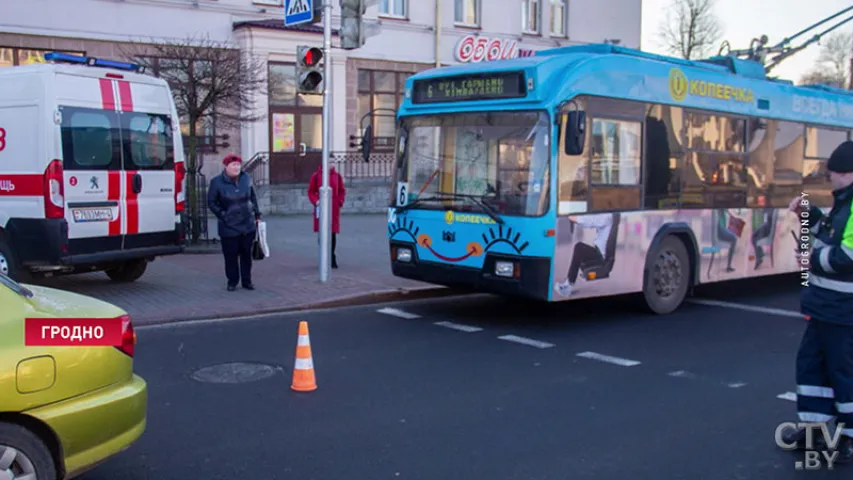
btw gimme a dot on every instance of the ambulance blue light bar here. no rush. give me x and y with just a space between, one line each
59 57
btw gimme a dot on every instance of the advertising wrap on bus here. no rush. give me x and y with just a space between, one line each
599 170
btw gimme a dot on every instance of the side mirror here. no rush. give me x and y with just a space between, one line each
366 142
575 132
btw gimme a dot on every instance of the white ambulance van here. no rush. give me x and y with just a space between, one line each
91 169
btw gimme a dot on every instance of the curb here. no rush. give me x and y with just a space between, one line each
363 299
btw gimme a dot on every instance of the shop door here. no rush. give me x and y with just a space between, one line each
297 144
296 128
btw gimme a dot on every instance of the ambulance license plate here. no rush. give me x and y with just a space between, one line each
92 215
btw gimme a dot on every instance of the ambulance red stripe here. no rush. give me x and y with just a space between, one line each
132 205
21 185
107 97
114 195
125 96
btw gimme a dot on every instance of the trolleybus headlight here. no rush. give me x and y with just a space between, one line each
404 255
504 269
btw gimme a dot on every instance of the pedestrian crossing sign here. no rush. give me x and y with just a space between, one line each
298 11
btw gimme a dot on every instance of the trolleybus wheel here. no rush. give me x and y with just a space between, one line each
667 276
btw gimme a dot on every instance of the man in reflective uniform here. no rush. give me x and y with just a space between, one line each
825 358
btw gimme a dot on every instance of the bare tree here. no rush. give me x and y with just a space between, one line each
833 66
212 83
690 28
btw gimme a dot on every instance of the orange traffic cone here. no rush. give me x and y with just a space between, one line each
303 369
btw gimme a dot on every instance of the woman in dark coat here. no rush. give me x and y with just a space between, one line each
231 197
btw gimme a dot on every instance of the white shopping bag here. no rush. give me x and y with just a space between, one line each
262 238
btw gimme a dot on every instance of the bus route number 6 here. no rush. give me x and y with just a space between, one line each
2 139
402 193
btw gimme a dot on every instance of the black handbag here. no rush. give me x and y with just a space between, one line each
257 251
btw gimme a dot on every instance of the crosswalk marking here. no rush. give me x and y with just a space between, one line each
526 341
609 359
459 326
790 396
398 313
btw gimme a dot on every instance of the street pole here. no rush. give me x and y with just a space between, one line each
325 190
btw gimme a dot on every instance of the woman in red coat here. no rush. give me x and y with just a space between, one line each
339 193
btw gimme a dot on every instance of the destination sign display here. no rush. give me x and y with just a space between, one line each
484 86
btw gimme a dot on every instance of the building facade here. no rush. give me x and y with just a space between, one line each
415 35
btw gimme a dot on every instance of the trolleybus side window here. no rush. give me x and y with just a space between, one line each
615 163
786 178
664 155
715 170
819 144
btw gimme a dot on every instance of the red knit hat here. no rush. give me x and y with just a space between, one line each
230 159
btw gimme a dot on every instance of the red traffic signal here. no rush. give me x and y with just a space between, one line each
311 56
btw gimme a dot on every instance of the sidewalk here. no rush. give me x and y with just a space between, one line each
192 285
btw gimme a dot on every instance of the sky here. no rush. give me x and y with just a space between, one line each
743 20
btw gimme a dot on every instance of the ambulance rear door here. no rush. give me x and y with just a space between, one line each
148 151
90 137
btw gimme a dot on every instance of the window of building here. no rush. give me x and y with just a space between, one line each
379 89
393 8
559 20
467 12
530 15
10 57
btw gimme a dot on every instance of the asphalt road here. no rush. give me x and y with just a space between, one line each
430 390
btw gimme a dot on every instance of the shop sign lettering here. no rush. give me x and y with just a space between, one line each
474 48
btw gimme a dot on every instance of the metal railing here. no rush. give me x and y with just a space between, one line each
256 168
195 220
351 165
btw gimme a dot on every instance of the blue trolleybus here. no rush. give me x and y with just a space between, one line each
599 170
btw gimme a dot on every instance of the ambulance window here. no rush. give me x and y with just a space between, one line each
89 138
148 144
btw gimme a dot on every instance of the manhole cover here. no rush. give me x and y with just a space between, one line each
234 373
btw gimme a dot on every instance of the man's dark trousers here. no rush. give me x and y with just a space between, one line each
234 248
825 374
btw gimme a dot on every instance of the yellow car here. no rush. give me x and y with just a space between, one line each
63 409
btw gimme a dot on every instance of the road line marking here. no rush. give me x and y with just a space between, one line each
398 313
693 376
527 341
459 326
608 359
791 396
750 308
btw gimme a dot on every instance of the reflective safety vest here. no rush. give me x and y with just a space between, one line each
829 294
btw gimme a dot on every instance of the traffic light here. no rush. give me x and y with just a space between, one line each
352 23
309 73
